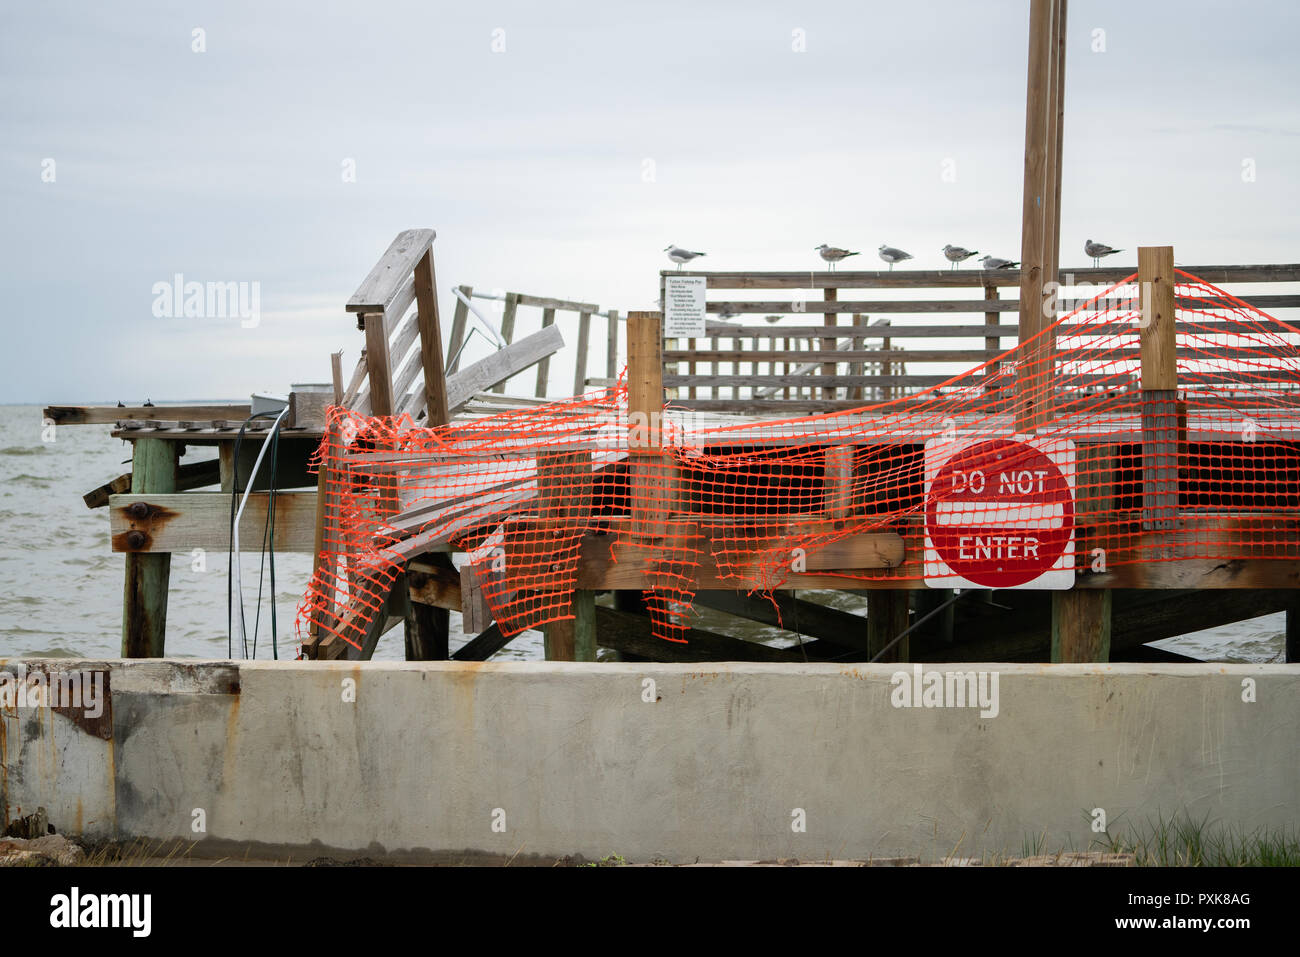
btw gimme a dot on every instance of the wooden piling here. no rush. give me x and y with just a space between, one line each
148 575
887 618
1081 618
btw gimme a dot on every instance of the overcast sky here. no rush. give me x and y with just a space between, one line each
533 164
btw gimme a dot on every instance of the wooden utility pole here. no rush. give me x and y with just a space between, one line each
1040 225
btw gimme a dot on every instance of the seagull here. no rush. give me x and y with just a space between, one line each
833 254
993 262
957 254
1096 250
891 255
679 255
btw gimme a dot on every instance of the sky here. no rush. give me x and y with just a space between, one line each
558 147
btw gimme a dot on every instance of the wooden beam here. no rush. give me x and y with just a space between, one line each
144 600
631 634
791 614
507 332
544 364
611 347
160 522
110 414
484 646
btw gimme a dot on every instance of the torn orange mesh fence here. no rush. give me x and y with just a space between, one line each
579 493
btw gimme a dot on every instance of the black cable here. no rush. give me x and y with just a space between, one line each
919 622
235 491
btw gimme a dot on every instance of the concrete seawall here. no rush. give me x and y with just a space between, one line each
650 761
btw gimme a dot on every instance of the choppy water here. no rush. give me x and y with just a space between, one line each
61 586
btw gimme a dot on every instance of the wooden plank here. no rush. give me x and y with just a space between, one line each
961 306
435 382
379 289
110 414
839 482
156 522
573 639
1160 431
541 302
971 356
501 365
144 595
336 376
963 379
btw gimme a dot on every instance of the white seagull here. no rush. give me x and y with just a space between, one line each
679 255
957 254
833 254
993 262
1096 250
891 255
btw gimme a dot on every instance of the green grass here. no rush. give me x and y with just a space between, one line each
1183 841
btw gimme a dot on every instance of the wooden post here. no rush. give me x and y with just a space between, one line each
938 631
378 365
886 620
611 348
992 344
435 379
574 639
148 574
507 329
459 321
1081 618
1033 380
647 474
1081 623
828 343
544 366
580 357
1293 630
1160 431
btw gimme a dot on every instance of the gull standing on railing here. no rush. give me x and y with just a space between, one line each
957 254
1096 250
891 255
833 254
680 256
993 262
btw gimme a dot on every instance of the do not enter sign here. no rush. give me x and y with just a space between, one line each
999 512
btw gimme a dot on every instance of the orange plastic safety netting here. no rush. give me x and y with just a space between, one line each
1051 459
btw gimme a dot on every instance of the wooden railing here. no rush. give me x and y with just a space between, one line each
513 301
786 365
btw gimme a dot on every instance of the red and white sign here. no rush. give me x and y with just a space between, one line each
999 512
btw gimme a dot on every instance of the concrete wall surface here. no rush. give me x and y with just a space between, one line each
537 760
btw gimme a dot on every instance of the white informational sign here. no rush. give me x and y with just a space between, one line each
684 307
999 512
